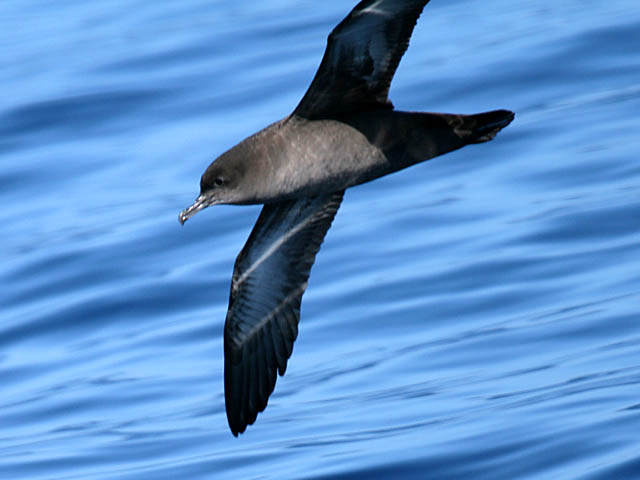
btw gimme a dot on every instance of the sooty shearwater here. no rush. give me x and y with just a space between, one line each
344 132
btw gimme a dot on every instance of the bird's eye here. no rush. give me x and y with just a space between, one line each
219 181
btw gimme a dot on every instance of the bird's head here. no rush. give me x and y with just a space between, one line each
218 184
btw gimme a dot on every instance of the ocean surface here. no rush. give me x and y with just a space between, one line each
475 316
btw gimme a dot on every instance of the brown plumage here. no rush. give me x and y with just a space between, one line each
343 133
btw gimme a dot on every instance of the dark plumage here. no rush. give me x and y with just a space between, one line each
343 133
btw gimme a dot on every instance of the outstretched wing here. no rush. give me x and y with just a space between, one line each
362 55
269 278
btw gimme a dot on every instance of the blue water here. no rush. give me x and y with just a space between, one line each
475 316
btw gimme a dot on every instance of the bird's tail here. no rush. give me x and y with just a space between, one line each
481 127
407 138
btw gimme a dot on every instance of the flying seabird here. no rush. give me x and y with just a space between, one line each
344 132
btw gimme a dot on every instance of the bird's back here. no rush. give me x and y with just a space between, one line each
296 157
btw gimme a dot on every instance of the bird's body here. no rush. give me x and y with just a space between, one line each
343 133
296 157
332 155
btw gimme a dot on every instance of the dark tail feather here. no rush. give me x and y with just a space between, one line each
407 138
483 127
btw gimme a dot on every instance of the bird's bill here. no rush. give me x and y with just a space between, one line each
202 202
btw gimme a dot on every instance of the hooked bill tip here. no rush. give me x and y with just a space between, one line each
201 202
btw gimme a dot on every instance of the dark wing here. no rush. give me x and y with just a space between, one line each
269 278
362 55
